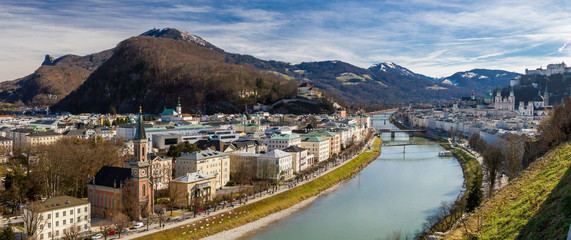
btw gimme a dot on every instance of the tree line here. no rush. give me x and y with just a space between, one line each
62 168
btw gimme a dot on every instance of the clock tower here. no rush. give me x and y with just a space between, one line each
140 166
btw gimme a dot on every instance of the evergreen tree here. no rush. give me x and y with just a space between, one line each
475 195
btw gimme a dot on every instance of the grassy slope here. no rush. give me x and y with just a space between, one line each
254 211
535 206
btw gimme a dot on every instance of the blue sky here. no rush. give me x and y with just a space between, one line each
435 38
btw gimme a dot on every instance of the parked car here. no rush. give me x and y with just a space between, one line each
138 225
111 232
97 236
125 230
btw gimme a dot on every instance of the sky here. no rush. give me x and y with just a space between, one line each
432 37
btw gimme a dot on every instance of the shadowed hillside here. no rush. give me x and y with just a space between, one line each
154 72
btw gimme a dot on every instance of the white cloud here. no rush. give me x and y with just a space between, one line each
435 38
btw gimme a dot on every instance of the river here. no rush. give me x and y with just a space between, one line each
396 192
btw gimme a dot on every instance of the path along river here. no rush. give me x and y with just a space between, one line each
396 192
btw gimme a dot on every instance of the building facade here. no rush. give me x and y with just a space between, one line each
58 215
316 146
207 161
283 141
194 185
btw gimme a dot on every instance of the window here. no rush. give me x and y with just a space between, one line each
85 217
71 212
49 225
78 219
42 236
49 234
57 223
144 190
64 213
63 222
79 210
57 233
85 209
57 215
71 220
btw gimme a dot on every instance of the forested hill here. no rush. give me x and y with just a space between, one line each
153 72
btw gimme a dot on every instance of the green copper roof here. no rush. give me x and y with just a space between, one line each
312 139
284 137
140 130
321 133
169 112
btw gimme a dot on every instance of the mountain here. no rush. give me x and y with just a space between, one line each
160 65
154 72
53 80
176 34
481 80
390 67
370 86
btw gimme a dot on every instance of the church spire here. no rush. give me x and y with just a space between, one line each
140 130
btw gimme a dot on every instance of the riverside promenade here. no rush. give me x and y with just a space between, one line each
187 218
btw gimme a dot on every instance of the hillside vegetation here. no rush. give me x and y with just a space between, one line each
154 72
535 206
52 81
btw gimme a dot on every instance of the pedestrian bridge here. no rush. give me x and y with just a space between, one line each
408 143
409 131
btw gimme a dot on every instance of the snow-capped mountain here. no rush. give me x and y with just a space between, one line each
480 80
179 35
390 67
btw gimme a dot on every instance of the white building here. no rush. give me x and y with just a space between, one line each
275 165
59 215
558 68
206 161
283 141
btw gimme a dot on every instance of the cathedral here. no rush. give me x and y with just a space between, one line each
504 103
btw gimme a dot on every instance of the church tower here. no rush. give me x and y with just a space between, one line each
546 97
179 107
140 167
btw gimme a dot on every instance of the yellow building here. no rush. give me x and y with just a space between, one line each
208 162
191 186
334 140
316 146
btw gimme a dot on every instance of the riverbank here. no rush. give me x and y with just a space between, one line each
242 232
534 206
249 213
472 171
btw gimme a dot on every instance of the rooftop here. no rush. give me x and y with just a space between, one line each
276 153
204 154
284 137
193 177
60 202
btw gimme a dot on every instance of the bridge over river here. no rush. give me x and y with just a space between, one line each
408 143
392 131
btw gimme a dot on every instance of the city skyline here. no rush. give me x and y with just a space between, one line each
435 38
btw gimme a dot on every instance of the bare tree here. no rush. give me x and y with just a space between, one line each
513 150
242 174
492 166
121 221
160 213
71 233
105 227
34 221
177 195
130 201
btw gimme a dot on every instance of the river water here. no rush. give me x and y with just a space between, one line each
396 192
